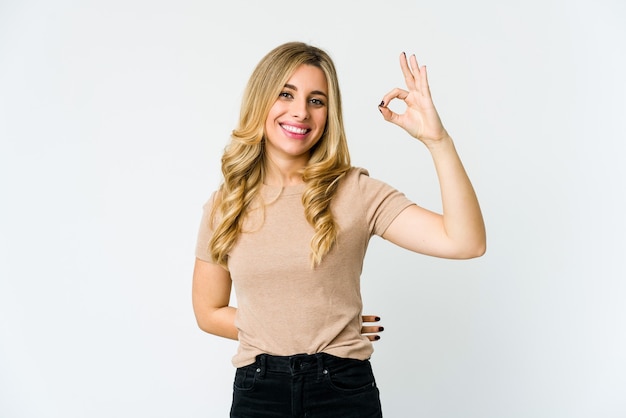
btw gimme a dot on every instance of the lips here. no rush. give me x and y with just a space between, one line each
295 129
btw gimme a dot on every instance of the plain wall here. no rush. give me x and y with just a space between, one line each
113 117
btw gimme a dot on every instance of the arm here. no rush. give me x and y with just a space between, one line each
460 231
210 297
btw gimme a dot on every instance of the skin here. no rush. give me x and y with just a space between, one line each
295 123
457 233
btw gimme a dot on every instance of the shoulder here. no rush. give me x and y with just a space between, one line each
355 174
358 185
359 178
213 200
349 181
210 208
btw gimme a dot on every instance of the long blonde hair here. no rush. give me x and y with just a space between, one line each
244 162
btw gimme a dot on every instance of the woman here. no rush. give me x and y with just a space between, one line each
289 227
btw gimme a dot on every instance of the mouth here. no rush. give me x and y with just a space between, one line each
294 130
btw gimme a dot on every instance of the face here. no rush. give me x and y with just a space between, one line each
297 119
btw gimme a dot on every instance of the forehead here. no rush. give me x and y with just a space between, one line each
309 78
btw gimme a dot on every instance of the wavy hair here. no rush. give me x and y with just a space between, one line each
244 163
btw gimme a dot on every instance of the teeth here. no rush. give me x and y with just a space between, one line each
294 129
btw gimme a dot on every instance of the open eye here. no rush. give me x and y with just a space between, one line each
286 95
317 102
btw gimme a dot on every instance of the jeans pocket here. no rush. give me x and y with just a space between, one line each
245 377
357 376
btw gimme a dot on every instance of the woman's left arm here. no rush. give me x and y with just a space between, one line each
460 231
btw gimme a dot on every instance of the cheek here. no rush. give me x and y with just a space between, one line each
271 118
271 115
275 111
324 124
322 120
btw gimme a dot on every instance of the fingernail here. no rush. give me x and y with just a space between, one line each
382 103
377 318
381 329
377 337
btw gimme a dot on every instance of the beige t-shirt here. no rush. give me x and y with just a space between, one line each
284 306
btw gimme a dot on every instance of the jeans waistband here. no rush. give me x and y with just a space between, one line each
318 363
298 363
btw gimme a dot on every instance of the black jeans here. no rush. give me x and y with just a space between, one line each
311 386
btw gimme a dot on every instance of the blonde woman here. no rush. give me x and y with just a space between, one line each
289 226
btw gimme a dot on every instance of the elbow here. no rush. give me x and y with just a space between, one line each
480 251
477 246
208 326
202 324
217 325
475 251
471 250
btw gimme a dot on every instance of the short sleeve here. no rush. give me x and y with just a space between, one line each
205 231
382 203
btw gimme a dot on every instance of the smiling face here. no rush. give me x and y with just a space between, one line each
297 119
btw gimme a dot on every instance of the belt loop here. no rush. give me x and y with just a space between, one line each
261 362
320 366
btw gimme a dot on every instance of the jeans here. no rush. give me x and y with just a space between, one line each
312 386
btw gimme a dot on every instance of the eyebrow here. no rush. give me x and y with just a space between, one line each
314 92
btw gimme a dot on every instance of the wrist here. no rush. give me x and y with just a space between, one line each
443 142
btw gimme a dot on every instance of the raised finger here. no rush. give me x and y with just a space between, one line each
415 69
424 82
409 77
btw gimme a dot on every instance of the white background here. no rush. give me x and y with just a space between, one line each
113 117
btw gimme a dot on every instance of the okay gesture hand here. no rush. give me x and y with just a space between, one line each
420 118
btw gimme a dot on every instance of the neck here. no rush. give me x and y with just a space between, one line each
284 172
274 177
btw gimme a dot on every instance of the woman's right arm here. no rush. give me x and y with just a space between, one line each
210 297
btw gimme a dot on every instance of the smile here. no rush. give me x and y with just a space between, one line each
295 130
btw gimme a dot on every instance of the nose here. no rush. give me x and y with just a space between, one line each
300 109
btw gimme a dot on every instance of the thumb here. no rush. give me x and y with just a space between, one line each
388 114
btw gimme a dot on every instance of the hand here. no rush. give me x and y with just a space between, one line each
371 331
420 118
